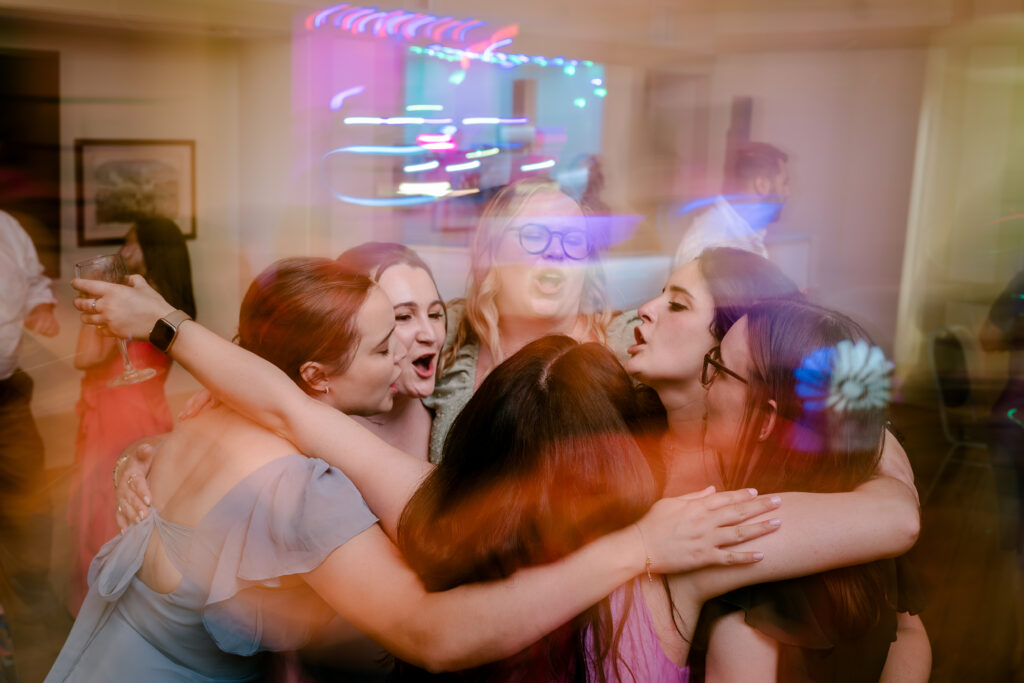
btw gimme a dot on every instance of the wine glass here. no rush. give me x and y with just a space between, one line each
111 268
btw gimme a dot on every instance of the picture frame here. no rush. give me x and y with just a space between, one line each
119 180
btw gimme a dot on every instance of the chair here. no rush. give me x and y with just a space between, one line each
950 353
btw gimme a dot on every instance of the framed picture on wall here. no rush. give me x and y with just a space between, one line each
118 180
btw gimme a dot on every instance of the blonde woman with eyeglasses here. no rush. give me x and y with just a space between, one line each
534 271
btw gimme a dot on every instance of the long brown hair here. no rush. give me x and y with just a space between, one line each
540 462
808 449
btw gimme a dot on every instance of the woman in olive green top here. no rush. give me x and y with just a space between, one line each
534 271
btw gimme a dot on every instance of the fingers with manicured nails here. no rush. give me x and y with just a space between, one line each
730 557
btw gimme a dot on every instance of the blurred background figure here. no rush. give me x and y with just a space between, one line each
1003 331
110 418
38 625
584 182
755 189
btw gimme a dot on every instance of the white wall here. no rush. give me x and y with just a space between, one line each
848 120
120 84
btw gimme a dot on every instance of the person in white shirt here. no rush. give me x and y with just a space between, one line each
756 188
37 622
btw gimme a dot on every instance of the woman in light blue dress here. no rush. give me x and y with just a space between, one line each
256 545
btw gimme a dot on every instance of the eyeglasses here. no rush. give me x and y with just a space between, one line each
535 238
713 366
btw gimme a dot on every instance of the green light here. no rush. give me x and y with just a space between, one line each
580 102
457 77
587 62
416 49
600 92
569 70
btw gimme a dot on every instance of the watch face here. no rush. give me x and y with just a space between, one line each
162 335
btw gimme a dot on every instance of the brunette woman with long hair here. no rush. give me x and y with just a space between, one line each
797 400
111 418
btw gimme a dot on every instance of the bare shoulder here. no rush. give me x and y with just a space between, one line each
205 457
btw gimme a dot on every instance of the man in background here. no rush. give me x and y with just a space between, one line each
38 624
756 188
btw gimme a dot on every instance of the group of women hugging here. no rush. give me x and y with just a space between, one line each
516 486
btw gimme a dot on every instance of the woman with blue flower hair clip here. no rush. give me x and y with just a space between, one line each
797 399
700 303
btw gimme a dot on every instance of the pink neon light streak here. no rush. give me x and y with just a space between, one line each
319 17
426 138
360 26
338 19
340 98
392 25
441 25
380 30
410 29
379 23
510 31
461 35
346 24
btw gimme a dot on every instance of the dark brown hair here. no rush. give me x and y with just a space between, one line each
540 462
753 160
737 280
809 449
165 254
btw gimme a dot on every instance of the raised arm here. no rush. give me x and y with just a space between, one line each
384 475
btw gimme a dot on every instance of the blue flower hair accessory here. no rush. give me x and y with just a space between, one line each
852 375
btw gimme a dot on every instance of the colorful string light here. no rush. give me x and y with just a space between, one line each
426 166
466 166
481 153
537 166
394 23
483 120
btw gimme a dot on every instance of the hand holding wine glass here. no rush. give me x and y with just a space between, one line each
112 268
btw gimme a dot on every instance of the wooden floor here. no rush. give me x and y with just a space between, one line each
971 581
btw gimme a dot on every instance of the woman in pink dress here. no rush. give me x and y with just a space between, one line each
111 418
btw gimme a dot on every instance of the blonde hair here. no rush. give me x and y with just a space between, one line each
480 322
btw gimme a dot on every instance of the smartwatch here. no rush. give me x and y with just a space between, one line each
166 330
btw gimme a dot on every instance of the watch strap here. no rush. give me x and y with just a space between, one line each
165 331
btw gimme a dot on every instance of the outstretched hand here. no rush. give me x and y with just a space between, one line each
133 494
694 531
127 311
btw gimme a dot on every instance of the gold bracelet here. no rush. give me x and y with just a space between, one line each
648 562
118 464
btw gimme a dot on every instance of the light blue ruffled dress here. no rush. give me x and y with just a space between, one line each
238 594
